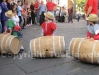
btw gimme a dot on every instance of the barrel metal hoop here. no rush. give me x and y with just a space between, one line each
74 46
79 47
40 48
64 43
70 44
54 47
59 45
31 46
98 58
34 48
2 42
92 58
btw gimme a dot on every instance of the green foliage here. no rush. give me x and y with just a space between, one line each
80 4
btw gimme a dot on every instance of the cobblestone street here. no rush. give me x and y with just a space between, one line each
23 64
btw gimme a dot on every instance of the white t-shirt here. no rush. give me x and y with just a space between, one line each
93 29
16 20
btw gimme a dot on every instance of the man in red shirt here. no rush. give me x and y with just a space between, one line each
91 7
36 9
50 5
70 13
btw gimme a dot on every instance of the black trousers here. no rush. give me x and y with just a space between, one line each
20 18
42 18
61 19
70 18
33 17
29 20
3 26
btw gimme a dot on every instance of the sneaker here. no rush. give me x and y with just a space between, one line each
38 23
25 26
22 49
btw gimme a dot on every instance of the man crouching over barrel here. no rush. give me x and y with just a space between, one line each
93 27
48 27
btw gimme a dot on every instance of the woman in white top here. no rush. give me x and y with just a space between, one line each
15 18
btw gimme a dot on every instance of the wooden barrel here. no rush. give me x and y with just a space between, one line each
9 44
85 50
47 46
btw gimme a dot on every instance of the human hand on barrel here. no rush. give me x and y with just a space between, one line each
87 37
4 32
9 33
91 39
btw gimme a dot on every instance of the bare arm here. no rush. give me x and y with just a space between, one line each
42 32
54 32
89 10
10 31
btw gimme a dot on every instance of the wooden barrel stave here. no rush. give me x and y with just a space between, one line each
15 45
9 44
47 46
2 43
85 50
96 53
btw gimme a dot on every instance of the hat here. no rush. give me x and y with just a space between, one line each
49 15
92 17
9 14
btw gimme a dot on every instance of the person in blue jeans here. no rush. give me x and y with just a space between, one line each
0 20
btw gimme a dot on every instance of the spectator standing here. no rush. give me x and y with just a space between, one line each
14 7
98 10
62 14
50 6
28 16
36 10
78 16
91 8
3 17
24 17
19 10
32 12
10 4
57 14
42 9
26 5
15 18
0 20
70 14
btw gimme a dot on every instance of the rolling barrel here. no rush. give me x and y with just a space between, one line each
47 46
85 50
9 44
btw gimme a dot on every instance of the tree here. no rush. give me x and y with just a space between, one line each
80 4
